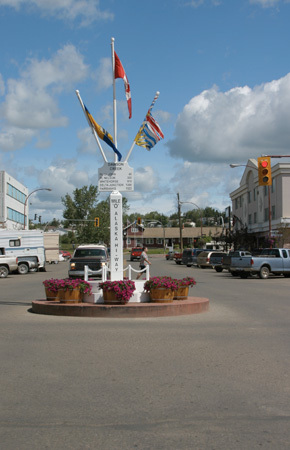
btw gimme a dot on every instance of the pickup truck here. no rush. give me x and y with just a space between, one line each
135 253
7 264
271 260
92 255
237 255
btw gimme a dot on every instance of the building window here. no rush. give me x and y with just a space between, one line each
15 193
250 219
236 203
273 212
273 187
255 194
249 197
266 214
255 217
159 241
265 191
16 216
149 241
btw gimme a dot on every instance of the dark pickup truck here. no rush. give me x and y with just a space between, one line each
91 255
236 255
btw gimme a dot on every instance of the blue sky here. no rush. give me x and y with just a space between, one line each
222 69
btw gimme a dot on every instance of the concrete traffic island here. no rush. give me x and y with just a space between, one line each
193 305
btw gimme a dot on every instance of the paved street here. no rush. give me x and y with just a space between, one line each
218 380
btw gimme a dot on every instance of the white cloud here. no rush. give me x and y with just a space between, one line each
234 125
265 3
86 11
30 103
145 179
104 74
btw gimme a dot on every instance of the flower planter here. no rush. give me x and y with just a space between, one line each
70 296
51 296
110 298
161 295
181 293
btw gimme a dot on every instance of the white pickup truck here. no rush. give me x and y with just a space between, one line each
271 260
7 264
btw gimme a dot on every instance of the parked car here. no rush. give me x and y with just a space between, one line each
169 255
189 256
216 260
66 255
177 257
135 253
203 259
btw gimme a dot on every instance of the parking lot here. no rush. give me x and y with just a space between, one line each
210 381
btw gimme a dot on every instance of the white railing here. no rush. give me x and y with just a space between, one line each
105 269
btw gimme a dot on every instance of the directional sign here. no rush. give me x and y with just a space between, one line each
116 177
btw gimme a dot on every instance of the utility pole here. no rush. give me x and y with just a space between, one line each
180 225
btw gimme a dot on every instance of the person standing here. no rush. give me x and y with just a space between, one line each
144 261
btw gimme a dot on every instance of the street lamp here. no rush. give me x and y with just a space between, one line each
26 200
181 203
269 192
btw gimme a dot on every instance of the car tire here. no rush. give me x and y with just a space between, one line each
218 269
3 272
23 269
264 273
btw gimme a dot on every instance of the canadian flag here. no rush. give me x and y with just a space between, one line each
120 73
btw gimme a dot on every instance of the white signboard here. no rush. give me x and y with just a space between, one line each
116 177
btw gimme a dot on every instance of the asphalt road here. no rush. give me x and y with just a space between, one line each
218 380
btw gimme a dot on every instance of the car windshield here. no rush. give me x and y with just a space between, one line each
81 253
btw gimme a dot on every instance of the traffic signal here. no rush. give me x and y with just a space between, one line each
39 219
97 222
264 171
35 216
139 221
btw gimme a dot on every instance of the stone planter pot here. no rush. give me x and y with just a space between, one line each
111 299
70 296
161 295
181 293
51 296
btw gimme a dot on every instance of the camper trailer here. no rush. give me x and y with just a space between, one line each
51 245
27 246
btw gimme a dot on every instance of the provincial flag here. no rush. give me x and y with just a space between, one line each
149 133
120 73
102 133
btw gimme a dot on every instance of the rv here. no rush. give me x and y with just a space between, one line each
51 245
27 246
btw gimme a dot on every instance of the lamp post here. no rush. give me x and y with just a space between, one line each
269 193
192 203
25 204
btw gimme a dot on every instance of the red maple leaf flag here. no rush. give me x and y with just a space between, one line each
120 73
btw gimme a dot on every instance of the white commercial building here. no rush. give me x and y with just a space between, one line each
12 202
262 210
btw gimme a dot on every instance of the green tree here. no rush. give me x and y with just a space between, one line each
80 212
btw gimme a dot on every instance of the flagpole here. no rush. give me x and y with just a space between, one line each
94 132
144 122
114 95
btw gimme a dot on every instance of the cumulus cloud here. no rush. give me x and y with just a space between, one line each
145 179
235 125
30 103
86 11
